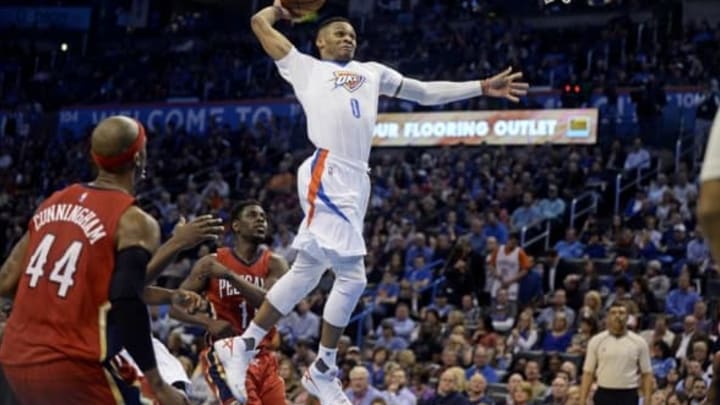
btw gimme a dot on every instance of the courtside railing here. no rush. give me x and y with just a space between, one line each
591 208
525 242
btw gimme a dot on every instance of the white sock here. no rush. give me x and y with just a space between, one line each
328 355
252 336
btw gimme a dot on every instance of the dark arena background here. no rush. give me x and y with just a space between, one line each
594 174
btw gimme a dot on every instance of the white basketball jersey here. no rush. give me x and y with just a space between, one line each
340 100
508 264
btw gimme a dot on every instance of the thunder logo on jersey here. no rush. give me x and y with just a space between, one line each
349 80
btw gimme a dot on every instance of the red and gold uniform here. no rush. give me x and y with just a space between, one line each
264 385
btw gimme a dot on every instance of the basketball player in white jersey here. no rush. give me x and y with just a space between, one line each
709 220
509 264
340 99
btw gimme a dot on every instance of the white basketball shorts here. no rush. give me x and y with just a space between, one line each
334 194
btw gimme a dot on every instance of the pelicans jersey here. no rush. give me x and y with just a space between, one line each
57 339
264 386
226 302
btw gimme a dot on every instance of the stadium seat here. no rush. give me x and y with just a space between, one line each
497 388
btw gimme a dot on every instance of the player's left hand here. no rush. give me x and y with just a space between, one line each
190 301
505 85
200 229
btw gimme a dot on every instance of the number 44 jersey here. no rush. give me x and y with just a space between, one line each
61 304
227 303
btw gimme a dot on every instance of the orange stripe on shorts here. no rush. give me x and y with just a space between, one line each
317 170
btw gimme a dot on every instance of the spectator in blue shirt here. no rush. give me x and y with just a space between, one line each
360 392
570 247
595 248
388 339
662 359
495 228
481 364
552 207
527 214
386 295
681 300
419 275
558 339
440 305
531 286
697 249
418 247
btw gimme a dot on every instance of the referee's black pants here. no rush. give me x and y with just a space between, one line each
614 396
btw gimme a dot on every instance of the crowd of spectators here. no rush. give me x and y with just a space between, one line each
210 54
435 214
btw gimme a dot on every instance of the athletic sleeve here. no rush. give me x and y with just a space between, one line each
390 79
295 68
129 313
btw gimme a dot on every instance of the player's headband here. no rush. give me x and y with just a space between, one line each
113 162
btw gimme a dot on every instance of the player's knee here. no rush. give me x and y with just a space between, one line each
351 286
350 277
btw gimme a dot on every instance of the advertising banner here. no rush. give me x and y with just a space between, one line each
195 118
67 18
507 127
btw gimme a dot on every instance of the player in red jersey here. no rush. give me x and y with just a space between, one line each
234 282
78 277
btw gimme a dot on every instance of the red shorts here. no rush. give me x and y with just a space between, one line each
70 383
264 385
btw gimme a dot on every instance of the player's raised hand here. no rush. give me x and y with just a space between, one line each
189 301
506 85
200 229
284 12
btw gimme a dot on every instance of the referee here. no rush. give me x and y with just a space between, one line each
619 360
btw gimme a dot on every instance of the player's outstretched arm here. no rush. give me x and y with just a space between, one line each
197 282
11 270
253 294
275 44
137 239
505 85
187 300
186 235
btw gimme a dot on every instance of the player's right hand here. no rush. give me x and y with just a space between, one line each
168 395
220 329
284 13
200 229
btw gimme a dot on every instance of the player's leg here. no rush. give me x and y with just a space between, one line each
350 281
237 352
272 389
213 370
709 215
253 384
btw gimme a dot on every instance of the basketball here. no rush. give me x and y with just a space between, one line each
302 7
